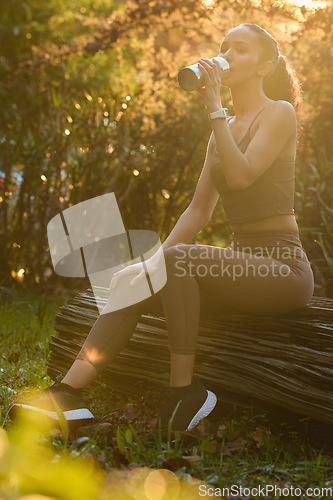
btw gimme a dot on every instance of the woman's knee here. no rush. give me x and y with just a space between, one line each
175 260
175 252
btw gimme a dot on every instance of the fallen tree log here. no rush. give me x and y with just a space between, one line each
281 364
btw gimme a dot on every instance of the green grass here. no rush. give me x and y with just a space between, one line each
241 449
25 330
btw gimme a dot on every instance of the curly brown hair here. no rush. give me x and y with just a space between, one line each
282 82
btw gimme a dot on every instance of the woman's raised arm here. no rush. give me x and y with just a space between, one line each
276 126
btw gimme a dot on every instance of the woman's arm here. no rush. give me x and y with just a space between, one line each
201 208
191 221
187 227
275 129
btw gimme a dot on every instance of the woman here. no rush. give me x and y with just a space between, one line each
250 161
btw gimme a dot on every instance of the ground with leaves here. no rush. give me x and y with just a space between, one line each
232 447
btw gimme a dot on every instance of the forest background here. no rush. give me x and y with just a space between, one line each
90 104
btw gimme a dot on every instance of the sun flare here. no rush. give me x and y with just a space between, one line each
308 4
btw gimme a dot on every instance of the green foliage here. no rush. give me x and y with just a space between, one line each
26 329
29 465
315 209
91 104
78 121
310 48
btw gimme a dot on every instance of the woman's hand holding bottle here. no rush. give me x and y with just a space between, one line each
212 72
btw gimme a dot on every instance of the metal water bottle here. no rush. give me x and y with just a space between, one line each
191 78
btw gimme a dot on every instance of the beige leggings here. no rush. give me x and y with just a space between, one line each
260 274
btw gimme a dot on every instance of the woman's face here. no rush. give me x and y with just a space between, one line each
241 49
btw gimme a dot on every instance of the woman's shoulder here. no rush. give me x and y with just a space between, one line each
282 107
282 113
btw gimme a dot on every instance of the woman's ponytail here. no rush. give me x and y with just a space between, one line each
282 82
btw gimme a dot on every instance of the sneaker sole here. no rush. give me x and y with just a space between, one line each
70 415
204 411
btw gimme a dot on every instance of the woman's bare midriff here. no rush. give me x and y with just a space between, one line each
281 223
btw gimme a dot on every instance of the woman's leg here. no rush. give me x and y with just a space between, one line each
80 374
198 276
107 337
273 281
178 301
181 369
